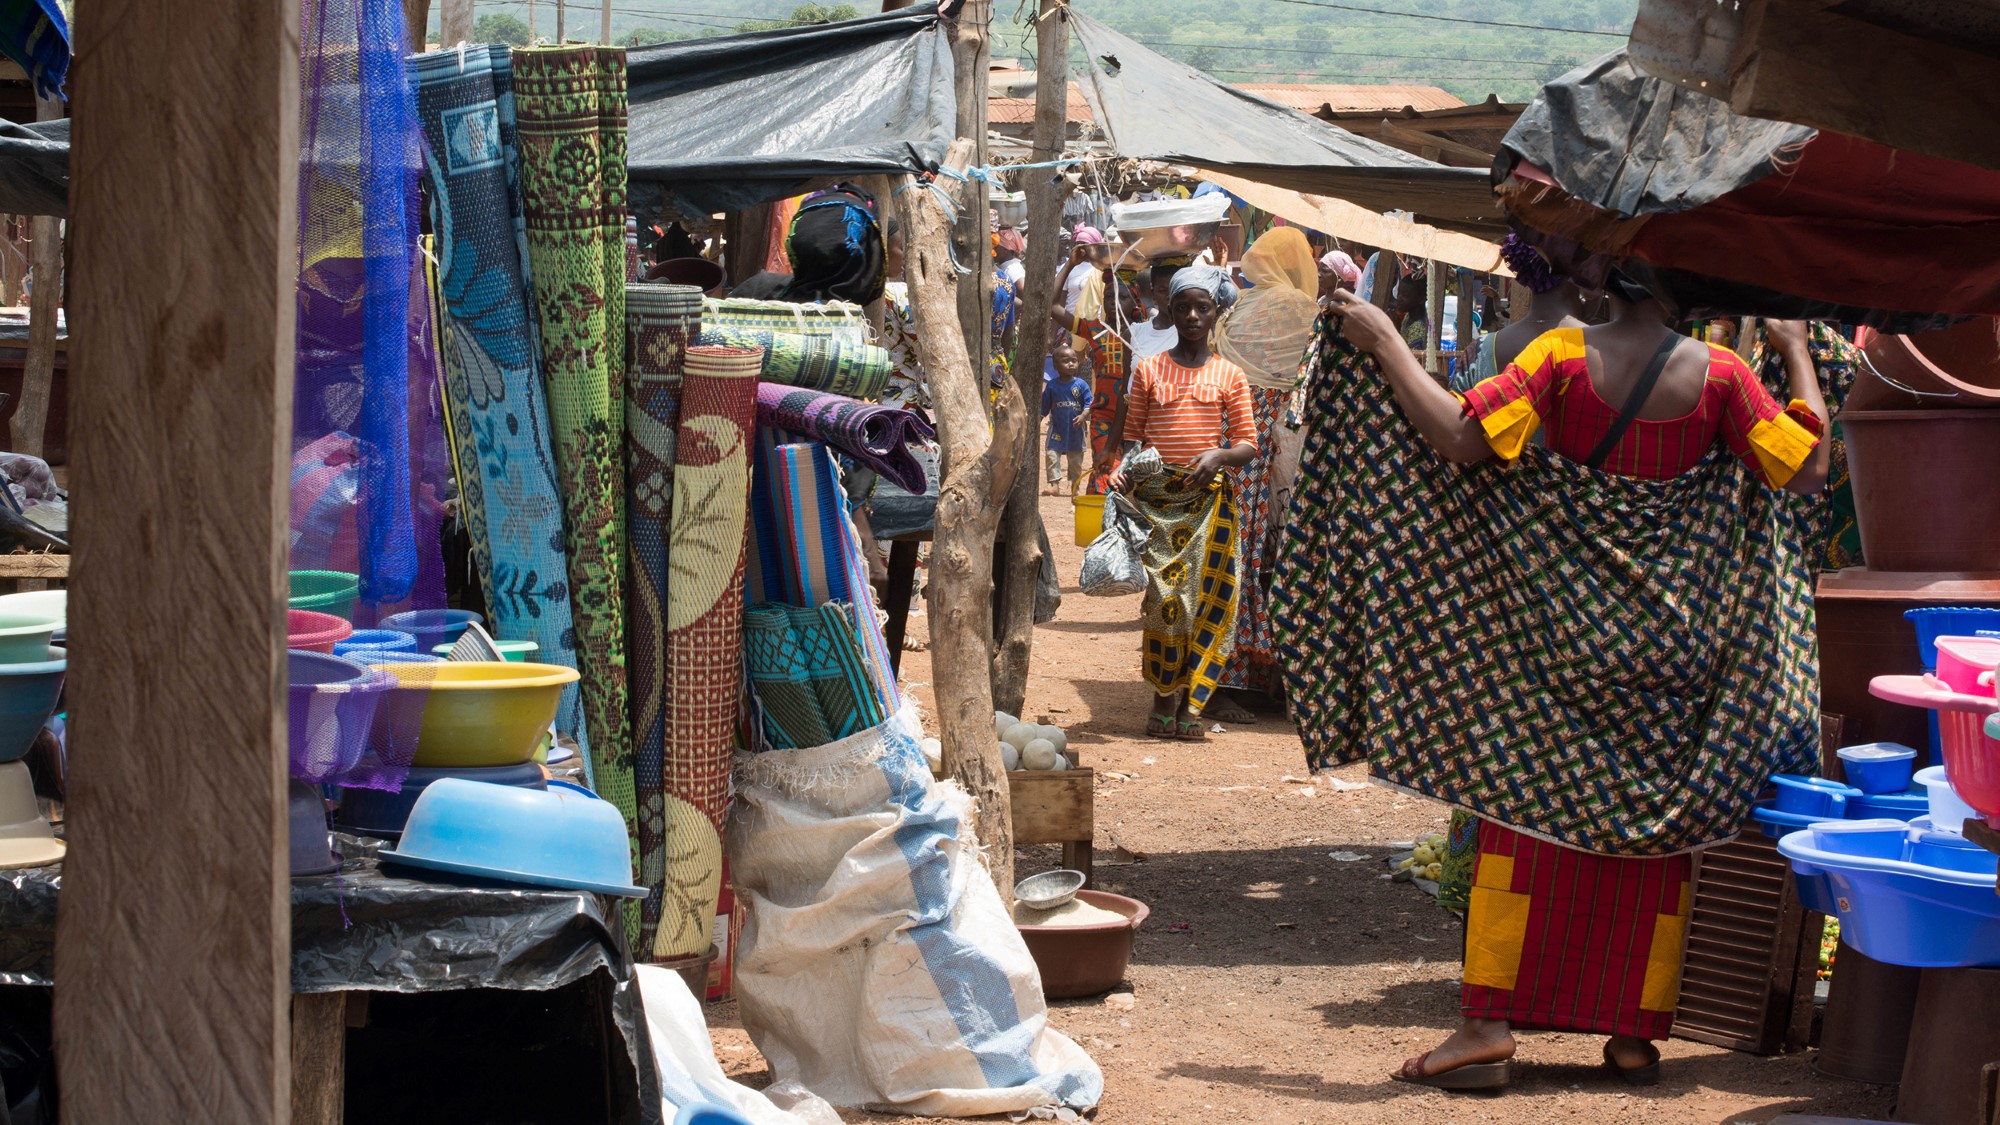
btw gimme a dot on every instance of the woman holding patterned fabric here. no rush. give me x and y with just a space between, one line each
1265 334
1189 411
1578 917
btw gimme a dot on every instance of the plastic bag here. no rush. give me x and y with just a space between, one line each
1112 564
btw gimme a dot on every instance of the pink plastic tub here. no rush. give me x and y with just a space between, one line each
315 632
1966 664
1971 755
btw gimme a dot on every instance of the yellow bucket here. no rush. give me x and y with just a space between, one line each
1089 518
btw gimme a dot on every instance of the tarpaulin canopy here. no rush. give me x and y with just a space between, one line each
1345 220
1154 108
1734 215
726 123
34 168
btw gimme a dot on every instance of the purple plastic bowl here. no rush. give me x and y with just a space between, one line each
331 705
432 627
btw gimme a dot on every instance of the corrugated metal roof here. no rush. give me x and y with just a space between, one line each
1307 98
1021 111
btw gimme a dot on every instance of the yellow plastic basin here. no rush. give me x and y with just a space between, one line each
467 713
1089 518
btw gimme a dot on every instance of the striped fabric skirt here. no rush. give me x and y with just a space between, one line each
1563 940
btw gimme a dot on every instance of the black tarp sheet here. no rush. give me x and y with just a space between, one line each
726 123
1151 107
1625 141
34 168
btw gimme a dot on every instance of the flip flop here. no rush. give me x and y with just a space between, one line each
1160 726
1648 1075
1228 712
1471 1076
1189 730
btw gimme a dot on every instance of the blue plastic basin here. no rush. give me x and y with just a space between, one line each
1878 767
384 640
1812 796
432 627
1933 622
28 696
710 1115
1903 894
564 837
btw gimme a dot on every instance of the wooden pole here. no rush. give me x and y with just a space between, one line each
979 463
38 374
1434 319
173 944
1022 524
971 53
561 15
417 13
1388 274
454 22
13 262
604 26
531 23
1468 297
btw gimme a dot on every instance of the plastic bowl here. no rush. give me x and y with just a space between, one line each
390 656
325 591
374 812
381 640
1933 622
311 847
709 1114
432 627
1948 810
469 713
1878 767
1966 664
28 696
564 837
1086 960
1892 905
38 603
1812 796
516 652
312 631
330 707
25 637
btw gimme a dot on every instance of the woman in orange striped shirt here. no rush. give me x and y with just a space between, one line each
1191 408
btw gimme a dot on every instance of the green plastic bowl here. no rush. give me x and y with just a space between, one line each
516 652
24 637
325 591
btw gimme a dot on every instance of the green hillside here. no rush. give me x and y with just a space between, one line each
1240 40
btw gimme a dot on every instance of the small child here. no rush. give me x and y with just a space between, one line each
1066 405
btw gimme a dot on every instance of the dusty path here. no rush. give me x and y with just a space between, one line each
1299 982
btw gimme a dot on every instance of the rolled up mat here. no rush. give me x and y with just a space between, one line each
782 679
833 318
659 319
823 363
704 633
876 436
564 193
493 378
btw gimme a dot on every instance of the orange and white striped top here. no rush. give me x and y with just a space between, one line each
1185 411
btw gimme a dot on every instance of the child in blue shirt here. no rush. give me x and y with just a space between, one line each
1066 405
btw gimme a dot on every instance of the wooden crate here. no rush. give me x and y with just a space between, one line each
1752 954
1056 807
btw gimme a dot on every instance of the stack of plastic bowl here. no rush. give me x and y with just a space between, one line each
311 631
563 837
458 714
376 640
516 652
325 591
1971 742
331 704
31 682
432 627
1903 893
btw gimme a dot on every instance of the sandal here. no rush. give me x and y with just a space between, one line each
1160 726
1647 1075
1230 711
1470 1076
1189 730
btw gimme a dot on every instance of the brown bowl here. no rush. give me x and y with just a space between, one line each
1086 960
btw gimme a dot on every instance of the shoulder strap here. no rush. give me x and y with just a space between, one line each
1641 391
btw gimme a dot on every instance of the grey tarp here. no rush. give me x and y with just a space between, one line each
34 168
1154 108
725 123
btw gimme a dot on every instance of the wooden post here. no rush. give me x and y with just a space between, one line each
531 23
971 54
979 464
1388 274
174 940
561 30
604 27
13 262
1468 297
38 372
1022 524
454 22
319 1058
417 13
1434 319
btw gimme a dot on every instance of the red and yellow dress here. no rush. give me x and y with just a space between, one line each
1110 361
1560 939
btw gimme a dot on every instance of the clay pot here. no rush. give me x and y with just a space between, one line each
1086 960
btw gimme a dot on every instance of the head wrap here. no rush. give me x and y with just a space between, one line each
1627 287
1530 267
836 248
1011 239
1209 280
1088 235
1340 264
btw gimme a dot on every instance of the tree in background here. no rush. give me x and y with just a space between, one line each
804 15
1204 58
646 36
1315 41
500 28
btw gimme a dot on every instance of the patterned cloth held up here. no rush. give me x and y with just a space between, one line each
704 633
577 255
821 363
1611 663
1189 613
876 436
812 683
1832 507
659 320
1561 940
496 400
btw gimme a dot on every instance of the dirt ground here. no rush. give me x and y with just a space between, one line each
1274 983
